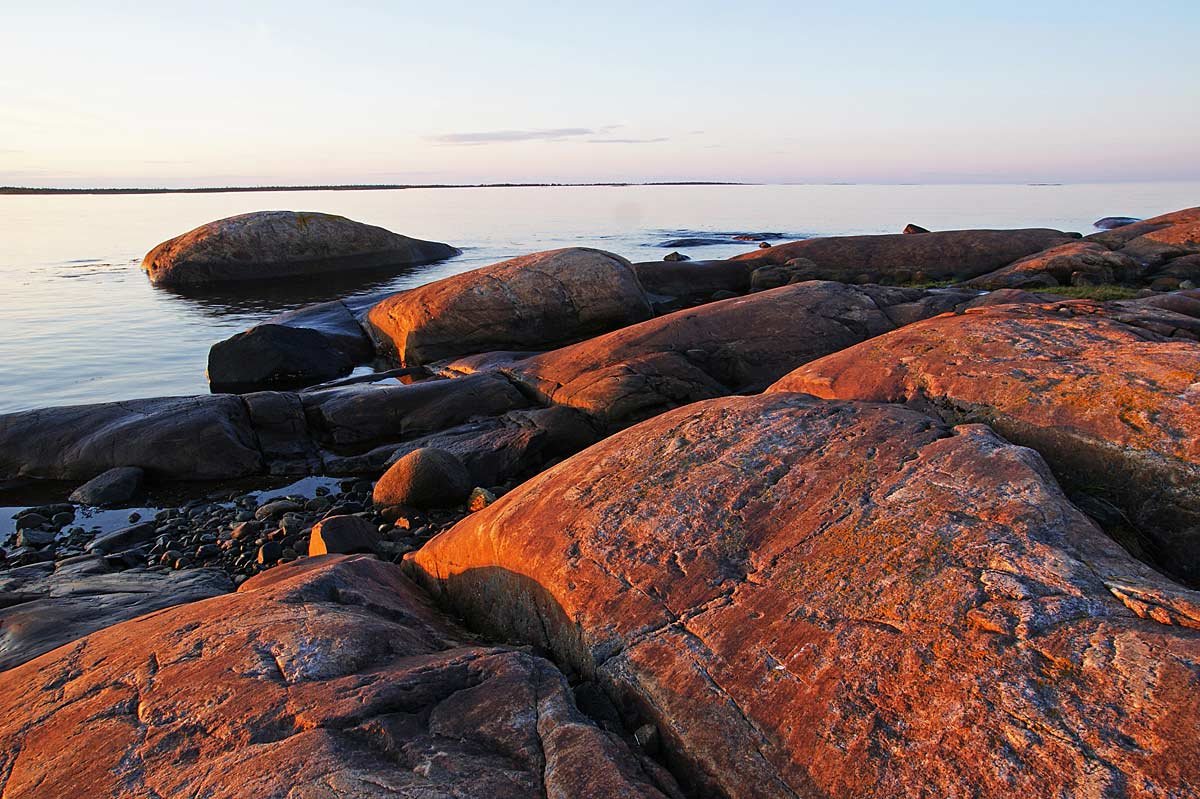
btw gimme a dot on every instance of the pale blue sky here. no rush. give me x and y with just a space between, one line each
175 94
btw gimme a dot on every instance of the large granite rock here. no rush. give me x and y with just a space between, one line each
900 258
813 598
278 244
1075 263
733 346
1106 393
531 302
331 677
183 438
1157 240
43 606
675 284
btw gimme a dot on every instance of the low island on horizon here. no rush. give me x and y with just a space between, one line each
26 190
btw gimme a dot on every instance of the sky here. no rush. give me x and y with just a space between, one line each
173 94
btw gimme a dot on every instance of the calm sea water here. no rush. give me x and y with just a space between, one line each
79 322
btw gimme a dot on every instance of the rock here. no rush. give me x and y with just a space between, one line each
279 244
276 508
676 256
334 320
268 553
674 285
538 300
31 521
328 677
342 535
812 598
896 258
81 441
124 538
42 608
1060 266
1105 392
424 478
1110 222
764 245
738 345
35 539
268 356
1155 241
480 498
776 275
114 487
910 229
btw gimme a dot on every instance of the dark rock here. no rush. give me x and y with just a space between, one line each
267 356
774 276
910 229
269 552
342 535
276 508
1110 222
279 244
424 478
110 488
124 538
35 539
676 256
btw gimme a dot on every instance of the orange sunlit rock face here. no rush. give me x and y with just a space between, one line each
1106 393
332 677
815 598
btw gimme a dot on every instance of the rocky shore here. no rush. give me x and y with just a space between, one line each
897 515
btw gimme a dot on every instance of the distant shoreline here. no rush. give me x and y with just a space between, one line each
16 190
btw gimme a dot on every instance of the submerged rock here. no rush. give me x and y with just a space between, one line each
812 598
328 677
532 302
278 244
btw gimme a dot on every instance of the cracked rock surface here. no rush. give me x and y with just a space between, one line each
821 598
331 677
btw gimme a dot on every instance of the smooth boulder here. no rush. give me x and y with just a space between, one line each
903 258
532 302
813 598
424 478
282 244
342 535
1075 263
328 677
1107 393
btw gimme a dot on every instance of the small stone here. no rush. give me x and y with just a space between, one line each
910 228
35 538
112 487
342 535
480 498
31 520
275 509
647 738
269 552
135 517
61 520
676 256
762 245
245 530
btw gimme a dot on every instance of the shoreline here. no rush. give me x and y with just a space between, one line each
33 190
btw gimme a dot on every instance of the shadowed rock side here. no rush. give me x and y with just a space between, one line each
901 258
330 677
275 244
1106 392
1076 263
43 606
827 599
538 300
732 346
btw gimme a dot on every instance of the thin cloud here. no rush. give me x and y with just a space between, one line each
494 136
628 141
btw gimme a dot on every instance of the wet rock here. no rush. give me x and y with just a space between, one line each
35 538
812 598
124 537
897 258
531 302
1103 391
327 677
274 356
276 508
424 478
342 535
279 244
113 487
268 553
